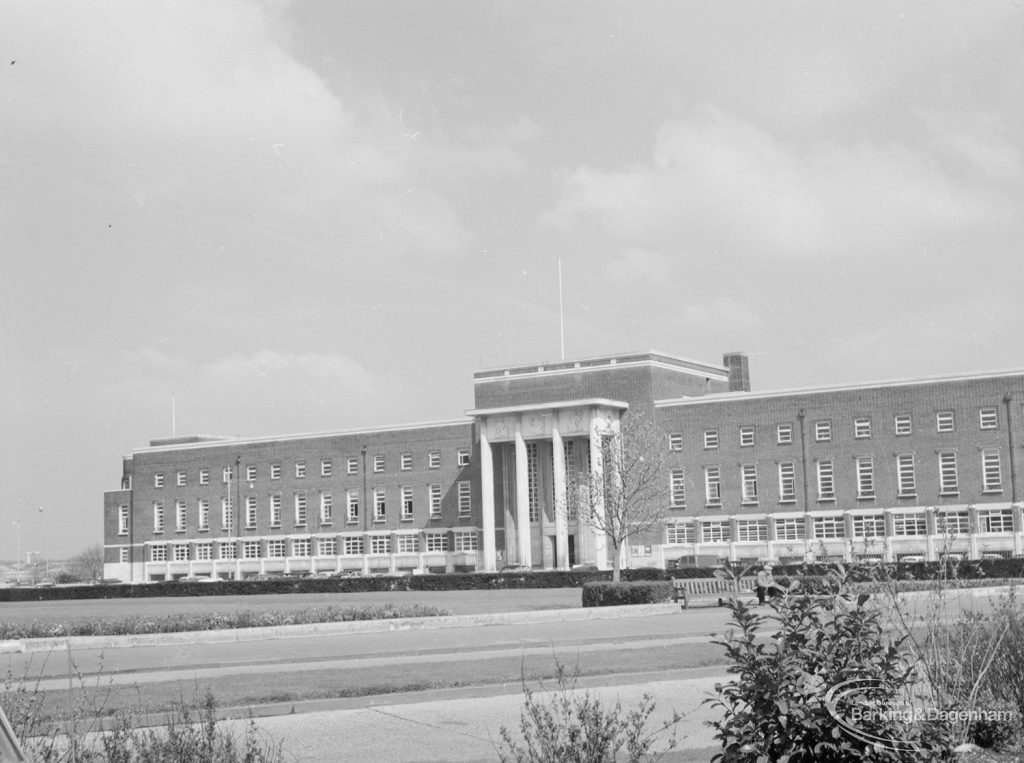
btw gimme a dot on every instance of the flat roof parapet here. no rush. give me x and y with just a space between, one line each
604 361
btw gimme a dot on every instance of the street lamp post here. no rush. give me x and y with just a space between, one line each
234 514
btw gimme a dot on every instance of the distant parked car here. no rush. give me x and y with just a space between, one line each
911 559
514 569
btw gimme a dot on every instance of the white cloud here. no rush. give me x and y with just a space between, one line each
717 182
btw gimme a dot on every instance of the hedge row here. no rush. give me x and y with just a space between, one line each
963 570
607 594
447 582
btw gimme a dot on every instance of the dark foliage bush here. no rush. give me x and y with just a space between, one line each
445 582
608 594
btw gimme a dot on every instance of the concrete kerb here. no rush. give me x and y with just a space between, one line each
338 628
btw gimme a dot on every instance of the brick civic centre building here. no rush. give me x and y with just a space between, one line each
919 467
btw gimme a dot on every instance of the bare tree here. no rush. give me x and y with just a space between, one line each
626 491
88 565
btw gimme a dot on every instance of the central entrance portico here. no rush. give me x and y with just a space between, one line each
531 456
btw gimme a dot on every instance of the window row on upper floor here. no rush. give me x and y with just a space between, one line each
302 468
823 430
863 474
198 515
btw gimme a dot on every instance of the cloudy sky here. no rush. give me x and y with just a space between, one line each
311 216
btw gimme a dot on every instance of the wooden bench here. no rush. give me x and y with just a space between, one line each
710 590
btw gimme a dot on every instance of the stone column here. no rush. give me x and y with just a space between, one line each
596 503
487 501
522 500
558 479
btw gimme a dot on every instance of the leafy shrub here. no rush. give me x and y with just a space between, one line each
570 726
608 594
774 709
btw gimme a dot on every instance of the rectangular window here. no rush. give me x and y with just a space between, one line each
407 509
679 532
715 531
988 418
122 555
861 428
906 481
434 459
436 542
677 488
122 520
275 471
675 441
204 552
865 477
326 509
991 472
952 522
251 549
435 501
944 421
378 463
903 424
158 516
180 479
748 475
710 439
227 550
300 469
326 467
466 542
276 548
227 514
352 505
787 482
352 465
327 547
300 509
462 457
995 521
204 476
829 528
906 523
158 553
158 479
226 474
379 505
822 431
352 545
746 437
275 510
751 530
949 484
713 485
250 511
180 516
250 474
869 526
784 434
532 482
408 544
826 480
465 498
406 462
790 528
380 544
302 547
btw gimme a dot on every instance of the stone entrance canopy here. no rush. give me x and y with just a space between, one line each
553 424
